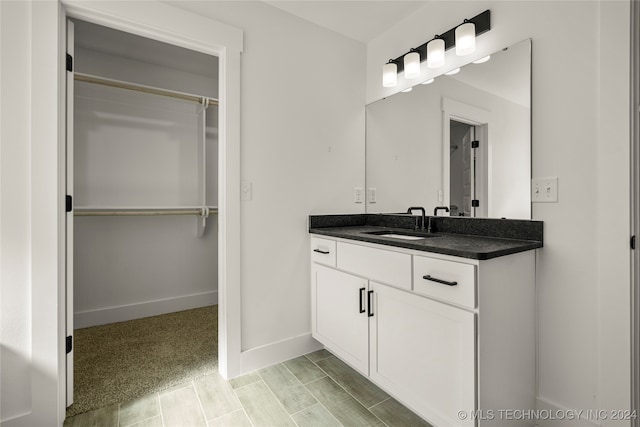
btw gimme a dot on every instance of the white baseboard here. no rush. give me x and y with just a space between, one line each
270 354
553 408
17 421
84 319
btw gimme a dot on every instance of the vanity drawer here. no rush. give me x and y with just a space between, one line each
389 267
446 280
323 251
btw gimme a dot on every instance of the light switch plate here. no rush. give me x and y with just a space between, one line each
371 195
544 190
358 195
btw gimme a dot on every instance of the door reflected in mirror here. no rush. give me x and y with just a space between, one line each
464 158
463 141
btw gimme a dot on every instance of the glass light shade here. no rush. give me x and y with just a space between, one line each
466 39
452 72
409 89
412 65
435 53
389 75
428 82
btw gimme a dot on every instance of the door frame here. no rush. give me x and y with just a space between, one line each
635 209
69 222
175 26
460 112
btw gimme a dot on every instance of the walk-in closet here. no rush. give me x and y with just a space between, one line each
142 160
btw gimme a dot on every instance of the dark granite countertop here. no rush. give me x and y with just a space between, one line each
474 246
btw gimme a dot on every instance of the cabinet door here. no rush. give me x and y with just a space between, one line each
339 316
423 352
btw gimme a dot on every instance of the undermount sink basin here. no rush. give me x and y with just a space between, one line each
401 235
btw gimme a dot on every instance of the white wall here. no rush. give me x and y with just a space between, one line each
302 151
138 150
580 134
613 189
15 232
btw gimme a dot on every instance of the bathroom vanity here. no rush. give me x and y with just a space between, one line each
444 321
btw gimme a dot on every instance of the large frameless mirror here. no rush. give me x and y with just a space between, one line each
462 141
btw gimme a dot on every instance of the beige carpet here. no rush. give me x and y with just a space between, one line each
121 361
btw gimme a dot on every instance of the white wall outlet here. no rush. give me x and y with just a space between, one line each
246 192
544 190
358 195
371 195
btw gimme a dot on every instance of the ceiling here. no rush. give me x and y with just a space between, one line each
362 20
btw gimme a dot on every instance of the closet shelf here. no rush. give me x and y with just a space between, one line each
81 77
202 211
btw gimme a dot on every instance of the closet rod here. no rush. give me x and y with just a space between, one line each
145 212
146 89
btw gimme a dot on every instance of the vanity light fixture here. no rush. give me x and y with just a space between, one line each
390 74
412 65
482 60
452 72
428 82
433 51
466 38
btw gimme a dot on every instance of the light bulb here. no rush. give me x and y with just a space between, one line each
412 65
452 72
389 74
435 53
465 39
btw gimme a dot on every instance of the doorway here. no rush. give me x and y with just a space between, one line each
465 159
463 148
192 224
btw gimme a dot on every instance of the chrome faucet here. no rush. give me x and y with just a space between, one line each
421 209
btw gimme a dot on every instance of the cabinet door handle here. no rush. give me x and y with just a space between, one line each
370 303
444 282
320 251
362 310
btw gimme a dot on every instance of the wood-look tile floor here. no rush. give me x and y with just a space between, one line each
312 390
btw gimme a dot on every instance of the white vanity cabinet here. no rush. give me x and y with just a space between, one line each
423 352
441 334
339 315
